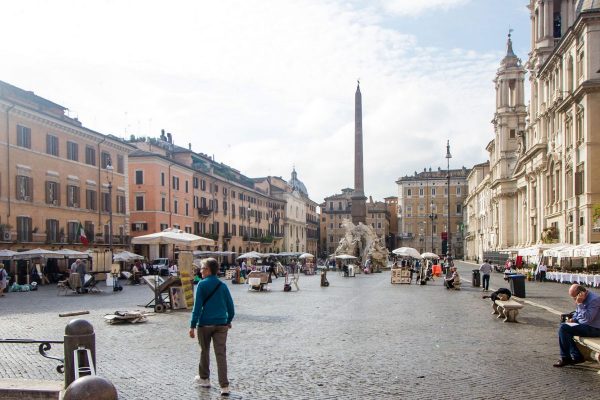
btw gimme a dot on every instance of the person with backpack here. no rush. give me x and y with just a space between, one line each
3 279
211 318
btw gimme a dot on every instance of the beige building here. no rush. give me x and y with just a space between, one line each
301 220
335 209
55 175
541 181
423 210
191 191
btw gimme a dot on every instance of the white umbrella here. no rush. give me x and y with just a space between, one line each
173 236
306 255
7 254
127 256
345 257
35 253
73 253
407 252
252 254
429 255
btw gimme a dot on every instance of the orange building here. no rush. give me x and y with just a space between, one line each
55 175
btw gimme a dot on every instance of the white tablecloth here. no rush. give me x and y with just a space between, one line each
567 277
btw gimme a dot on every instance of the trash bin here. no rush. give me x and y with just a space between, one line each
517 284
476 278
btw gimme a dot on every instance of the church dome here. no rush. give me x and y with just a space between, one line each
296 184
587 5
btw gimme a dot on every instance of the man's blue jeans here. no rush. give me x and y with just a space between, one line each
486 281
568 349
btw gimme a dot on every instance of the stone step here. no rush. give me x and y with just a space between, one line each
13 389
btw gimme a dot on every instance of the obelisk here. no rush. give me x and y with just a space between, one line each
359 205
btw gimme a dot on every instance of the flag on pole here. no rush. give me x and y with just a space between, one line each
82 237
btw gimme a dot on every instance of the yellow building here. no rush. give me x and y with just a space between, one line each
56 174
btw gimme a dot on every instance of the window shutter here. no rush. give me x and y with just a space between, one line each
47 192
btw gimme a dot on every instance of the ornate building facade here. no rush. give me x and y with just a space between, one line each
541 159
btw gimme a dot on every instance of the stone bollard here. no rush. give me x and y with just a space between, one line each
91 387
78 333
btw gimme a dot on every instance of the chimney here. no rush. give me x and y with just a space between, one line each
169 137
162 135
189 146
370 199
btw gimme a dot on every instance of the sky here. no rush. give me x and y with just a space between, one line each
268 85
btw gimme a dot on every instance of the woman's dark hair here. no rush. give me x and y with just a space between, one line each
213 265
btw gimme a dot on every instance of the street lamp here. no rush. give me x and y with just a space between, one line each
448 157
109 178
432 216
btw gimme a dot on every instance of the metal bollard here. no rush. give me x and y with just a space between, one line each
79 335
91 387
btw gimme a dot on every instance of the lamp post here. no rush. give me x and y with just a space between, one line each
249 223
433 217
448 157
109 178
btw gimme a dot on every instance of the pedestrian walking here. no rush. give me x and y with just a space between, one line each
486 270
211 319
81 270
541 270
584 321
3 279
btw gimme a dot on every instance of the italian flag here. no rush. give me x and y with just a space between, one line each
82 237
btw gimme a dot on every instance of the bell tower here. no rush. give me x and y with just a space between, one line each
509 118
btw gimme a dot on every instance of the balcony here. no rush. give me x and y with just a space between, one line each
204 211
212 236
227 236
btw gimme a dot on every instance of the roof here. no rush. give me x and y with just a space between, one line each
587 6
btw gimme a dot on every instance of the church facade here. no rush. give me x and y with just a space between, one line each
540 185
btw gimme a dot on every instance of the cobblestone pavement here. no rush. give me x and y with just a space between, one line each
360 338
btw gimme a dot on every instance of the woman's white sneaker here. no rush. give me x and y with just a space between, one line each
205 383
225 391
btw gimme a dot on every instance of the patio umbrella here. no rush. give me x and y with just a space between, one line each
68 253
173 236
37 253
345 257
127 256
306 255
252 254
7 254
429 255
407 252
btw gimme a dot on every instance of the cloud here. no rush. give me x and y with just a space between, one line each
262 85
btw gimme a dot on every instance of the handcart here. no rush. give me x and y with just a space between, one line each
160 287
258 281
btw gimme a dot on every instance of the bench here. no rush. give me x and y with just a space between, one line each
508 309
589 347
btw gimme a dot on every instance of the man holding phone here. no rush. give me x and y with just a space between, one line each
585 322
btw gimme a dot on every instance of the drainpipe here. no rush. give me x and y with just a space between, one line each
169 197
99 190
8 157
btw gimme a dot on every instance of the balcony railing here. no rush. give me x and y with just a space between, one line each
204 211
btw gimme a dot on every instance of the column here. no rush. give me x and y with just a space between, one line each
549 14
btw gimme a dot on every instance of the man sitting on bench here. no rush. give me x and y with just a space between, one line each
585 321
453 281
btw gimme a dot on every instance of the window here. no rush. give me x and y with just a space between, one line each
432 191
459 208
52 230
225 208
90 155
24 233
90 199
162 179
512 134
120 164
106 202
408 192
458 190
163 204
195 182
215 206
143 226
139 203
233 230
203 185
23 137
421 192
163 227
139 177
187 209
72 196
73 232
52 193
52 145
232 210
187 186
24 188
88 227
105 159
72 151
175 206
176 183
379 225
121 204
